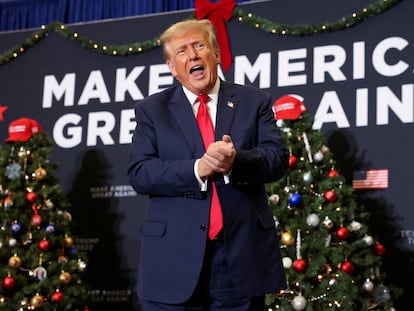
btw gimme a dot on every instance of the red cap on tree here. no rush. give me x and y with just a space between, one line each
288 107
22 130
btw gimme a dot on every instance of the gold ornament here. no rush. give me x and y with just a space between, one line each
287 239
40 174
65 277
37 301
68 241
15 262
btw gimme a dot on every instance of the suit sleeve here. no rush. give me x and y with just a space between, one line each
266 159
156 172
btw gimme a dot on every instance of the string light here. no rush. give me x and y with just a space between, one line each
372 10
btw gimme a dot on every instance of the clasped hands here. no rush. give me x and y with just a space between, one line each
218 158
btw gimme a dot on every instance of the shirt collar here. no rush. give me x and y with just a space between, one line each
213 93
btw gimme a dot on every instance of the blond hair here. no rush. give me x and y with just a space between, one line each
202 25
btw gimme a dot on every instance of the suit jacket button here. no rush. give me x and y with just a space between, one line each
203 228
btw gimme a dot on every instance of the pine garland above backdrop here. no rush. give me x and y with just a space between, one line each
241 16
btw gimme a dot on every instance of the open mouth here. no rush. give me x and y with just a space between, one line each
196 69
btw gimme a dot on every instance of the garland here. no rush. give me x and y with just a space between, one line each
241 16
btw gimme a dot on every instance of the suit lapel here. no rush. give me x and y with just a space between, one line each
226 109
182 112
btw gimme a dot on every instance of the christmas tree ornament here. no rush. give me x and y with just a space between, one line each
36 220
368 240
330 196
50 228
15 262
328 223
48 204
8 282
379 249
346 267
368 285
37 301
307 178
57 296
16 227
287 239
287 262
312 220
31 196
342 233
44 245
293 161
40 273
40 174
13 171
65 277
81 265
7 202
300 265
299 303
68 241
295 199
381 294
307 147
318 157
274 199
355 226
333 173
12 242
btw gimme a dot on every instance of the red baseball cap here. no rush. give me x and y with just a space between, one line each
22 129
288 107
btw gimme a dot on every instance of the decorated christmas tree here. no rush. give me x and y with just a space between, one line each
40 268
332 262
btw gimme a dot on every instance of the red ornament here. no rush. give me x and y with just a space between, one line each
292 161
57 297
8 282
44 245
330 196
347 267
31 197
36 220
342 233
380 249
333 173
299 265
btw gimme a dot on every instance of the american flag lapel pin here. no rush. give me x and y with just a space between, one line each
230 104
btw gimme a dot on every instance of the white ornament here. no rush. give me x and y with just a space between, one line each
312 220
318 156
368 240
327 222
287 262
368 285
12 242
299 303
274 198
355 226
279 123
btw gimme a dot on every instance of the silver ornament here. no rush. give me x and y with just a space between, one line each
307 177
368 285
312 220
368 240
355 226
287 262
299 303
318 156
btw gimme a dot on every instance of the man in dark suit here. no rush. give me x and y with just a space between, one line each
183 266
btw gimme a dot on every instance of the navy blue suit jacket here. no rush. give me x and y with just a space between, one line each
165 145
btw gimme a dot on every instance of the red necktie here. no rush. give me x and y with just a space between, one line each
207 132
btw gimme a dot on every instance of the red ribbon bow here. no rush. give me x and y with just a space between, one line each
217 13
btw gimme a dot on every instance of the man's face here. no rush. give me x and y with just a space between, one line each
193 61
